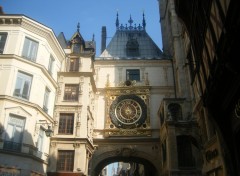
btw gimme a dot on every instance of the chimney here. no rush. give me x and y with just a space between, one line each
104 38
1 10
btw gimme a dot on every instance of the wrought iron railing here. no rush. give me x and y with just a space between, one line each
13 146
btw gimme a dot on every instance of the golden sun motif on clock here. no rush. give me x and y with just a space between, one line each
128 111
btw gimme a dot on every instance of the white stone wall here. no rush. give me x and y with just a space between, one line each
160 79
31 110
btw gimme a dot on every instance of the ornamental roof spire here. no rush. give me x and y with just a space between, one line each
144 22
130 21
117 21
78 26
130 26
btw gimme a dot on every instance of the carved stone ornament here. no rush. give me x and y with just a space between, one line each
76 145
128 132
125 152
53 144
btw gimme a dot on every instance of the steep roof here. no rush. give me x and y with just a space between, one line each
131 42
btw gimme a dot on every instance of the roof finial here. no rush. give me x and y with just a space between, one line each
144 22
130 21
117 21
93 37
78 26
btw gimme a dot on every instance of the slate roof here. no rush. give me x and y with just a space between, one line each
117 47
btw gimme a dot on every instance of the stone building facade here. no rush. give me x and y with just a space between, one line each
203 42
30 59
169 112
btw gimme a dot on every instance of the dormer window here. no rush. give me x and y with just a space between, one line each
132 48
76 44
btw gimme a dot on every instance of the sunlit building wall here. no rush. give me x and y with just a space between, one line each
30 57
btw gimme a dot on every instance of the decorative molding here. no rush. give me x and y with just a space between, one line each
53 144
76 145
125 152
127 132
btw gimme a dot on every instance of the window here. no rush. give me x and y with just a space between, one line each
74 64
65 160
164 151
76 48
184 149
50 65
71 92
23 84
46 99
40 140
133 74
132 47
175 111
30 49
14 133
3 37
66 122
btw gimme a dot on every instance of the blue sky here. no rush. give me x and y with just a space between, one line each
63 16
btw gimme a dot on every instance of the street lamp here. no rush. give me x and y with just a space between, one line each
49 131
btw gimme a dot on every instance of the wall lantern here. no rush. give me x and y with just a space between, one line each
48 131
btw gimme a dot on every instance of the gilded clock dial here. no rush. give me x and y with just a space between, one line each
128 111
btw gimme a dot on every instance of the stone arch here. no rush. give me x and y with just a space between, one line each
100 160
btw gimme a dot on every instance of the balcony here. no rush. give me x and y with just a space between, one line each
12 146
175 110
22 149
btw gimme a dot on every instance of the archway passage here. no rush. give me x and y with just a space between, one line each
128 150
149 168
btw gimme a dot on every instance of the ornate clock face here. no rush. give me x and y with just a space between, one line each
128 111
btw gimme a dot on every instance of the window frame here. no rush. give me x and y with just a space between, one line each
73 65
40 141
46 99
66 124
22 78
51 64
3 41
131 74
65 160
69 91
28 51
185 152
13 142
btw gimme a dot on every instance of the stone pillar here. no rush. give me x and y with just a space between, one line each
179 57
172 148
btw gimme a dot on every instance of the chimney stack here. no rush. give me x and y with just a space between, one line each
1 10
104 38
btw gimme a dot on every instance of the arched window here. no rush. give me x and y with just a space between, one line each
175 111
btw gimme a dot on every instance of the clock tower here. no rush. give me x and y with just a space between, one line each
127 110
132 77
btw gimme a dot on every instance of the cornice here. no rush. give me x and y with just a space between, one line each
34 27
41 67
144 62
119 140
26 103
